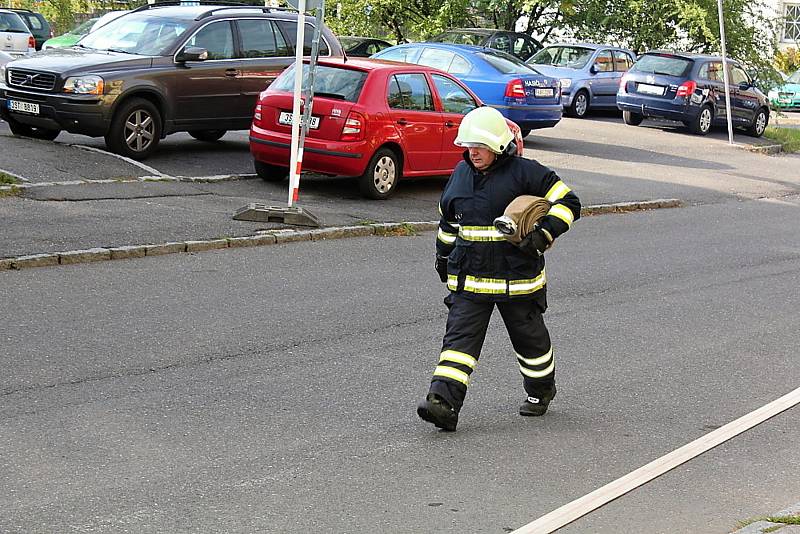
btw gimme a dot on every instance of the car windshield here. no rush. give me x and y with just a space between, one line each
506 63
12 23
84 27
794 78
137 33
575 57
459 38
329 82
661 64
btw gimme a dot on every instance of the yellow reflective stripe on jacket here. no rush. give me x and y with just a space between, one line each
538 374
480 233
536 361
446 237
458 357
563 213
450 372
452 282
525 287
557 192
492 286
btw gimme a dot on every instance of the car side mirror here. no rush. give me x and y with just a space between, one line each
593 69
744 86
192 53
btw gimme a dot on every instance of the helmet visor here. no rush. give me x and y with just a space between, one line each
467 144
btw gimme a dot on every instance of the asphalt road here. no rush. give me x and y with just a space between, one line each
273 389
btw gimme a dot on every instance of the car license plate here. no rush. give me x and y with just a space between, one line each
650 89
286 118
24 107
543 93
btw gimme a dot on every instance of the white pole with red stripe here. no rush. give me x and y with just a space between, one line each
296 155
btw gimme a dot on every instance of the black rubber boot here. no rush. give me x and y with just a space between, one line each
536 406
436 410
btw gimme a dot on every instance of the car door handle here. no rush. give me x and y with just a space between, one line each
231 73
449 124
402 122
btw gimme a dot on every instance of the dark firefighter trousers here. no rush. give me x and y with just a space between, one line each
467 322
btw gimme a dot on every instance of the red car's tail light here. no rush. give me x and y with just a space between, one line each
354 127
514 89
31 42
686 88
257 114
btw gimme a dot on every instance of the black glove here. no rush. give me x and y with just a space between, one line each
441 267
535 243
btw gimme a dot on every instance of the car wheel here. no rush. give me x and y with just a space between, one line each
701 125
383 172
580 105
135 129
208 135
270 173
631 118
17 128
524 133
759 123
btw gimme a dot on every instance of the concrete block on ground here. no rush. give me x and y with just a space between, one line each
84 256
251 241
133 251
210 244
164 248
34 260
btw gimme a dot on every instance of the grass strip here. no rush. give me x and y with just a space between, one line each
789 138
7 179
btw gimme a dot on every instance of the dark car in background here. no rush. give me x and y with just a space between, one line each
589 74
690 88
38 25
155 71
517 90
517 44
362 46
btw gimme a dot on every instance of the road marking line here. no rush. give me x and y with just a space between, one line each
578 508
17 176
123 158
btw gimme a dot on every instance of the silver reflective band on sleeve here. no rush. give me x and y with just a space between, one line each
458 357
536 361
557 192
450 372
538 374
563 213
446 238
480 233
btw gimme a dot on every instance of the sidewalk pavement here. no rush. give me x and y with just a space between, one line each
765 526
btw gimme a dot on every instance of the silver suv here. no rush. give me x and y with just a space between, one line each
15 37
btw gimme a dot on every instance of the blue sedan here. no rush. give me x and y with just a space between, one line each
500 80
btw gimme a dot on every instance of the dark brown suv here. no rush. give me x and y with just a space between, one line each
157 70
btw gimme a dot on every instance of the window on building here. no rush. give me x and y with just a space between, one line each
791 28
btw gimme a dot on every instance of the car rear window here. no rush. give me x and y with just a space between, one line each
330 82
34 21
10 22
459 38
506 63
663 64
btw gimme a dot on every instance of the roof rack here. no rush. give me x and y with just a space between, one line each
264 9
165 3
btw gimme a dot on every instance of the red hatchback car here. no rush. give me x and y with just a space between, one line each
379 120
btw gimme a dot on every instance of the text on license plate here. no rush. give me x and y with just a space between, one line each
286 118
543 93
650 89
25 107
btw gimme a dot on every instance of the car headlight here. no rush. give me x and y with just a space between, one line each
3 75
84 85
566 83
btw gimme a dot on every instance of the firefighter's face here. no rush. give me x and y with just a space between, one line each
481 157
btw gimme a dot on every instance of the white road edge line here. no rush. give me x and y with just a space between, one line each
578 508
123 158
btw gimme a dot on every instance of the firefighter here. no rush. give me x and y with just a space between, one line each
483 270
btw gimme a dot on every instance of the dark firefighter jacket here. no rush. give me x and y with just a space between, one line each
481 263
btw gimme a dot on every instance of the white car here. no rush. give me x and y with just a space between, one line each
15 37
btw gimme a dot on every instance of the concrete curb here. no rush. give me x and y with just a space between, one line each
769 150
163 178
759 527
273 237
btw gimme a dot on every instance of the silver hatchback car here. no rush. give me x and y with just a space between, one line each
15 37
